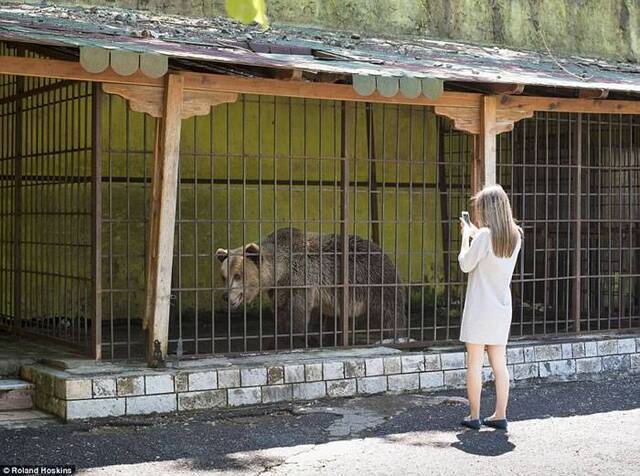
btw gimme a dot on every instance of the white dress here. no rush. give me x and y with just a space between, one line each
486 318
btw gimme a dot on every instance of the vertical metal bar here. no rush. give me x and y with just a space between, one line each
578 225
290 218
17 227
260 160
599 220
620 171
395 228
546 276
444 206
196 253
344 262
212 209
428 119
96 217
588 220
373 179
437 223
408 289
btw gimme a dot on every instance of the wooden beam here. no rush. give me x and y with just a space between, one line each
305 89
592 106
222 83
163 219
488 139
506 88
49 68
593 93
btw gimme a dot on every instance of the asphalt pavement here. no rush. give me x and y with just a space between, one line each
588 427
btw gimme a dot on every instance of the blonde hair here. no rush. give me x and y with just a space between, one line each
493 211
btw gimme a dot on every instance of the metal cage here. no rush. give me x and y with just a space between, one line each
293 213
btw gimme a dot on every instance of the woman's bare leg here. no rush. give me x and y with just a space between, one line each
498 361
475 357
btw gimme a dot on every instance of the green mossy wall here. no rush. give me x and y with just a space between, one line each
261 140
605 28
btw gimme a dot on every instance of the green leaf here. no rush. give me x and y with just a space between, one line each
248 11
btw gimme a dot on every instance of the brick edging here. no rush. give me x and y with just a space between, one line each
147 391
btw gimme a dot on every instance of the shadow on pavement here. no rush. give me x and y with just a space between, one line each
484 443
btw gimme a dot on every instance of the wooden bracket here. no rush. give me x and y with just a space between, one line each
468 119
465 119
149 99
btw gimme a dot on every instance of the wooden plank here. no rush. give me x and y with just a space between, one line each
163 216
49 68
488 139
216 82
273 87
96 229
514 88
593 93
153 229
303 89
592 106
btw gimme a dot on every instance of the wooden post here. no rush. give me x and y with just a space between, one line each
488 139
162 224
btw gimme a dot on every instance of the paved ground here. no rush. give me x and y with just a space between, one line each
564 428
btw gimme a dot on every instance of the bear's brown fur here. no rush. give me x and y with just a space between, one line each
302 276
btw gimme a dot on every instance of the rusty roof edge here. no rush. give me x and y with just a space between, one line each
466 69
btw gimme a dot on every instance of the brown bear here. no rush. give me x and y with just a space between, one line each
300 273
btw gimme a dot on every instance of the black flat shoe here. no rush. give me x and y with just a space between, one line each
473 424
497 424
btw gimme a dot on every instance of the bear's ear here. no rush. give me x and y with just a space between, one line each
252 252
222 254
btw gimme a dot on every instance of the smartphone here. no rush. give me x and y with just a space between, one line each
465 217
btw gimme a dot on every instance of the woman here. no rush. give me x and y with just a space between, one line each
488 253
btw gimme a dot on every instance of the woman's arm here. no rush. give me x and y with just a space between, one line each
471 254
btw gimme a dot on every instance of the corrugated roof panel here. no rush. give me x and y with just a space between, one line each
220 40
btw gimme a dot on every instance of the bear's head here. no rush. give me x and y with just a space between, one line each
240 273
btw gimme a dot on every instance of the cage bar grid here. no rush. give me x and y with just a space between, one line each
373 192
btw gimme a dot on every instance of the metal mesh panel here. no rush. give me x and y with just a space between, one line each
8 117
127 151
46 202
572 180
392 178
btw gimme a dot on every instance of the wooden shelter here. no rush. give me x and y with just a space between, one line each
483 91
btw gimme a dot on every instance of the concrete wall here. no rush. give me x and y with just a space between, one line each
607 28
297 377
